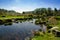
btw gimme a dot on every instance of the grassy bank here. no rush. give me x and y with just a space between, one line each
11 17
47 36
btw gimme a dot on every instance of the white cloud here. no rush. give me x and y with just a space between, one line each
17 9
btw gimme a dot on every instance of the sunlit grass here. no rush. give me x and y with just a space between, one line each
11 17
47 36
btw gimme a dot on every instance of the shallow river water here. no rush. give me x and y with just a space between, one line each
18 31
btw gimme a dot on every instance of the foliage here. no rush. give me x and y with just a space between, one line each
47 36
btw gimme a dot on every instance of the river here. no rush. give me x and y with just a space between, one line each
18 31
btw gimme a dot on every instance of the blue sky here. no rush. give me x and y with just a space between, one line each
28 5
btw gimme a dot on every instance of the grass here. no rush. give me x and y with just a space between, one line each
58 22
11 17
14 17
47 36
57 16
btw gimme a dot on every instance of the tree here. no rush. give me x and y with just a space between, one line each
49 12
55 11
59 12
23 13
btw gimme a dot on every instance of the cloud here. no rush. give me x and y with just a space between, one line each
19 9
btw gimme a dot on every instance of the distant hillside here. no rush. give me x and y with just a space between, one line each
44 11
37 11
8 12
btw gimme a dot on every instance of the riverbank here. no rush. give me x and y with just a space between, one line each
49 35
15 18
46 36
11 17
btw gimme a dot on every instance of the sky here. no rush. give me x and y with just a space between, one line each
28 5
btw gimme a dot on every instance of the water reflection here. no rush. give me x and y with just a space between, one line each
9 23
18 30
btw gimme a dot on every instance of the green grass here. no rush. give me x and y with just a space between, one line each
58 24
11 17
47 36
57 16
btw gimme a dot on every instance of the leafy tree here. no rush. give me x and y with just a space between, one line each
55 11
